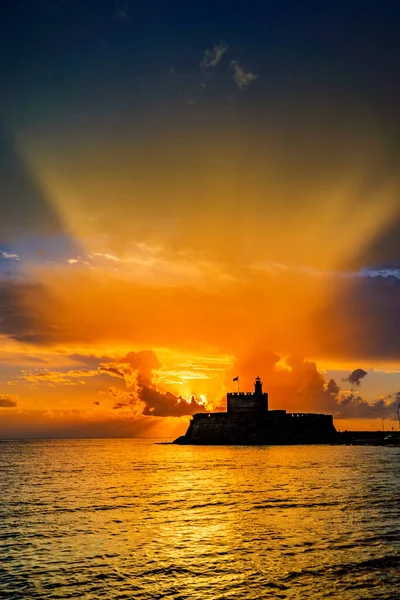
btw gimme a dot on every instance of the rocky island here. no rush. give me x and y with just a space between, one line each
248 421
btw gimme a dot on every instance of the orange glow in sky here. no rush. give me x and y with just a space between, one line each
148 270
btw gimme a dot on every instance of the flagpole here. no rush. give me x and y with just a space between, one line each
238 386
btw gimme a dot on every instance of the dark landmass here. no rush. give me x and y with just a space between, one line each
249 422
278 427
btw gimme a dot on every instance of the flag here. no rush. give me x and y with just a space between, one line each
235 379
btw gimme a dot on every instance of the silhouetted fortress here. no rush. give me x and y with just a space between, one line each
249 421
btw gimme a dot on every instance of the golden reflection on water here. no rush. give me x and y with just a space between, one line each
129 518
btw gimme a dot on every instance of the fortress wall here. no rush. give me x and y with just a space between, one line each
245 403
242 428
309 422
209 417
248 421
214 428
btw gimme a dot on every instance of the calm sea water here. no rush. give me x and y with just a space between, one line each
134 519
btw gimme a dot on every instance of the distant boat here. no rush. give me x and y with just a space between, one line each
393 437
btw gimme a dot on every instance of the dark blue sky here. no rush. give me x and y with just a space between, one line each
110 54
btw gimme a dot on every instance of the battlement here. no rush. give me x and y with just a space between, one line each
243 394
302 415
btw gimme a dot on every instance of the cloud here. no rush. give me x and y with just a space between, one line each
144 362
78 261
352 406
136 368
150 264
355 321
125 399
59 377
213 57
112 371
90 360
9 255
296 384
106 256
391 271
360 320
166 404
356 376
241 77
8 401
150 402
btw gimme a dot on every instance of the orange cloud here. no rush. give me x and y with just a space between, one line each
52 377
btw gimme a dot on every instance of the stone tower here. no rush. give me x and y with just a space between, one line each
248 403
258 387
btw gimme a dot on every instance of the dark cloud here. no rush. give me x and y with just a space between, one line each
356 376
355 407
156 403
125 399
360 320
332 388
150 402
166 404
136 368
7 401
112 371
25 211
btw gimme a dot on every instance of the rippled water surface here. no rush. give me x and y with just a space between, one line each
134 519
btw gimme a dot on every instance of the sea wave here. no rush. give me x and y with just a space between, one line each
134 519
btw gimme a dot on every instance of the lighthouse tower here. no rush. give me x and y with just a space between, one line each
258 387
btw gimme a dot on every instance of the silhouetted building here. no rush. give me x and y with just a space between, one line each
248 420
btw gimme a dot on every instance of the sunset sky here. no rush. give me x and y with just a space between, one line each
194 191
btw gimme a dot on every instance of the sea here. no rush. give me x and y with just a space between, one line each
127 518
